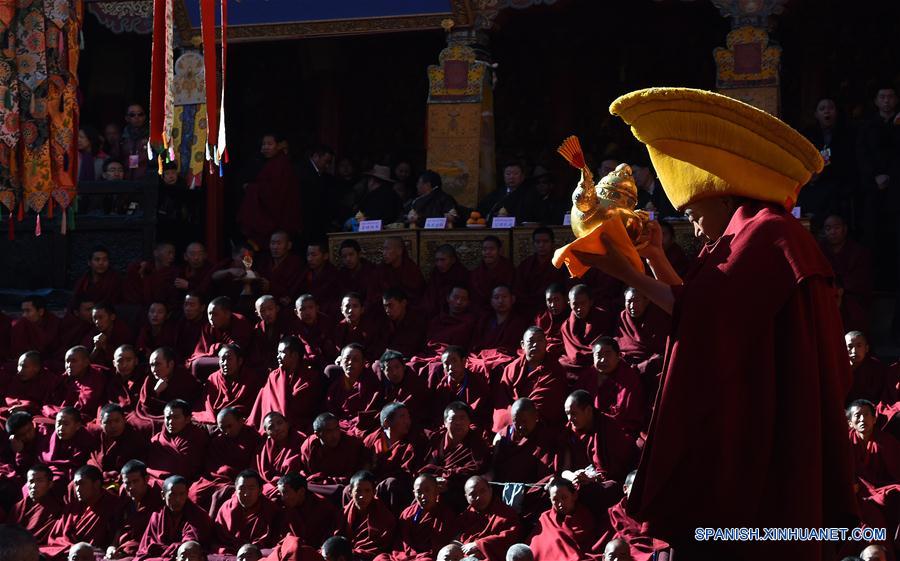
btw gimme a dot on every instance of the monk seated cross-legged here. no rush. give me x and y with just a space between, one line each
109 332
178 521
281 272
27 387
247 517
536 272
330 456
872 378
398 383
492 271
180 447
642 333
425 526
315 330
447 273
82 385
158 331
460 384
123 387
268 331
118 441
404 327
294 389
584 325
361 326
395 457
397 270
190 326
566 531
623 527
280 453
39 509
68 447
142 498
497 335
224 327
876 456
368 523
552 318
453 327
167 381
321 278
357 274
37 329
352 389
232 385
488 526
303 513
616 386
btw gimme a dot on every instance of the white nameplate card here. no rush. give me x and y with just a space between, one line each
796 212
436 223
370 226
503 222
567 219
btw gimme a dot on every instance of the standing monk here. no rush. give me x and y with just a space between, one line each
775 335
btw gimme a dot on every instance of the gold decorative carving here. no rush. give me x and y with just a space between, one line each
373 243
466 242
748 59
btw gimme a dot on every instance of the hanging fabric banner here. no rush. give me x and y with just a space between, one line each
221 155
162 80
208 35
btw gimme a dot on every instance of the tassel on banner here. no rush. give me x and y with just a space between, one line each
37 226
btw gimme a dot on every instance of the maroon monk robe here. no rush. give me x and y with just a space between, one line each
624 527
85 392
198 280
296 396
411 391
363 281
529 459
606 291
872 381
126 393
434 300
325 286
348 403
97 524
106 288
147 341
566 538
852 264
318 339
642 342
137 519
493 530
483 280
166 531
369 333
408 277
605 446
579 334
72 331
291 548
156 285
275 460
877 460
407 335
236 525
177 454
36 516
239 332
150 405
620 396
41 336
552 326
188 335
263 352
371 530
271 202
422 533
118 334
111 454
456 461
777 335
333 466
496 345
473 390
28 395
225 458
221 392
313 521
533 276
284 277
5 328
398 459
680 260
28 455
443 331
545 386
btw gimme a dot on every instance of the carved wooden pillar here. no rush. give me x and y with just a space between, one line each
748 67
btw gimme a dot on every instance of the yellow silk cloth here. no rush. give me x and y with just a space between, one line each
615 232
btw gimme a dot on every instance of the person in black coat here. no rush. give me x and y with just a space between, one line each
516 197
380 202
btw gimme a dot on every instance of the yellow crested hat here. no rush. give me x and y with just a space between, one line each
704 144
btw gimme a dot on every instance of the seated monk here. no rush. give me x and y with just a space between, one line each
68 447
492 271
642 334
247 517
81 551
151 281
360 327
398 384
304 514
82 385
330 457
178 521
315 330
453 327
566 531
268 331
158 332
404 329
552 318
321 278
123 386
425 526
872 379
25 439
460 384
617 387
447 273
37 329
876 453
142 499
118 441
294 389
584 325
109 332
100 283
179 448
280 453
230 278
528 451
456 452
27 388
601 453
536 272
195 275
39 509
224 327
622 526
352 389
535 375
497 335
357 274
488 527
281 271
368 523
94 516
232 385
394 455
167 381
74 327
190 326
397 270
606 290
233 448
190 551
